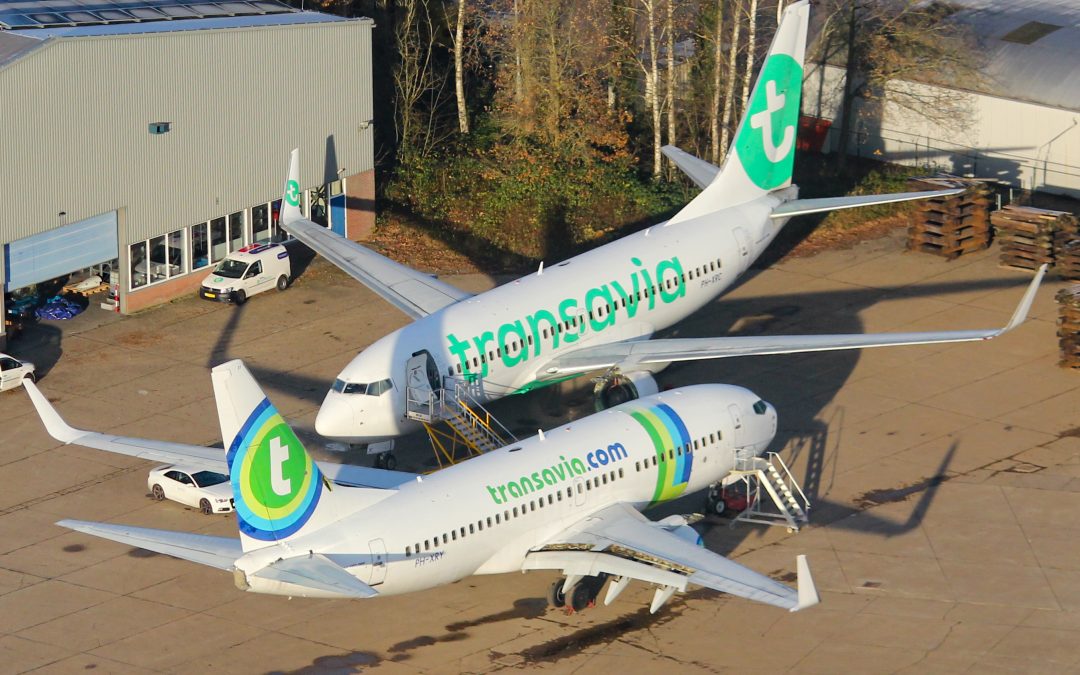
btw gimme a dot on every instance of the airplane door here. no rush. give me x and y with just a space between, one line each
579 492
378 561
421 381
736 421
742 243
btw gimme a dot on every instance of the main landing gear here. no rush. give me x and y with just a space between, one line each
582 594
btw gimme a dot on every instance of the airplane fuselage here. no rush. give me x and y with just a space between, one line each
483 516
624 290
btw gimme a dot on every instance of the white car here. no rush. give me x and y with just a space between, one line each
208 491
13 372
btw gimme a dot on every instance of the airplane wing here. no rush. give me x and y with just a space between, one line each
200 456
621 542
415 293
629 354
219 552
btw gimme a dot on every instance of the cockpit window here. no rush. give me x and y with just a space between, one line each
761 407
379 388
372 389
343 387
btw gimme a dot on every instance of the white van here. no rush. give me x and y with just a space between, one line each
247 271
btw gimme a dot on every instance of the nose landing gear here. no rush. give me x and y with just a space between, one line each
582 594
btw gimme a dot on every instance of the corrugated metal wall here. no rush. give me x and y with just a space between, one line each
74 134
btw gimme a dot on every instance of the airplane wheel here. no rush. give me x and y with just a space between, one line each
556 598
581 595
718 507
204 506
158 492
389 461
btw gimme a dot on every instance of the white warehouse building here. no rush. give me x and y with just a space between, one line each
146 139
1024 126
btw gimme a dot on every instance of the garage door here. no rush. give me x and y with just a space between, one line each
50 254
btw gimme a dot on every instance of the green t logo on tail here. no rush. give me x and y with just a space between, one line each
292 193
766 141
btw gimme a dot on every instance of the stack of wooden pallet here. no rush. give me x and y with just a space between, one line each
951 226
1067 247
1069 326
1026 234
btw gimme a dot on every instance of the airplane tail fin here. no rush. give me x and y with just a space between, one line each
278 489
763 150
290 198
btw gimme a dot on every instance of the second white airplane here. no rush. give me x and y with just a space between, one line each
596 311
565 500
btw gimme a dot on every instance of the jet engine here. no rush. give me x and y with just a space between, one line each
615 388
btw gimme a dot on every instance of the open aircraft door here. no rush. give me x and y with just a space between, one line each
421 383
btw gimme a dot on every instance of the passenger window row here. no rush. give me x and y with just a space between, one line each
671 453
596 313
516 512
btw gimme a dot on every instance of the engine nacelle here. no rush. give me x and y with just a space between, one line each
679 526
618 388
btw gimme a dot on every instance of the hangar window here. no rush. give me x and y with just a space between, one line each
157 259
200 246
260 224
219 239
236 231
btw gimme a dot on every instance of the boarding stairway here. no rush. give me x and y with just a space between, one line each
473 430
787 506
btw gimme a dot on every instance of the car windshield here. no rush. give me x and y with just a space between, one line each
208 478
233 269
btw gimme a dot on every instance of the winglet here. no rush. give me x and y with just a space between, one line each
1022 309
808 595
290 198
54 424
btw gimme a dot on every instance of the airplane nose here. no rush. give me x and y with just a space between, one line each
335 418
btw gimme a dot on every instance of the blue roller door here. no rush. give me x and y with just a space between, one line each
50 254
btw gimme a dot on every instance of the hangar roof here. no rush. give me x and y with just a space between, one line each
16 42
1032 48
23 14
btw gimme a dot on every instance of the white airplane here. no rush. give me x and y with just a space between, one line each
565 500
598 310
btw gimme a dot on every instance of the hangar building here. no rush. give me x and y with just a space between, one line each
1024 123
146 139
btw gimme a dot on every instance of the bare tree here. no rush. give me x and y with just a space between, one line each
458 37
669 103
420 89
729 90
714 107
751 37
882 44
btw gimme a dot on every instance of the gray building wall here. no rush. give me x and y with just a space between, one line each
76 111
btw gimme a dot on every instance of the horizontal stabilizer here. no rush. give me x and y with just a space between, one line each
202 457
219 552
799 207
317 572
698 170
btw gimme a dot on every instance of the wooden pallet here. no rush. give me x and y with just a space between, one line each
86 292
1068 329
950 226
